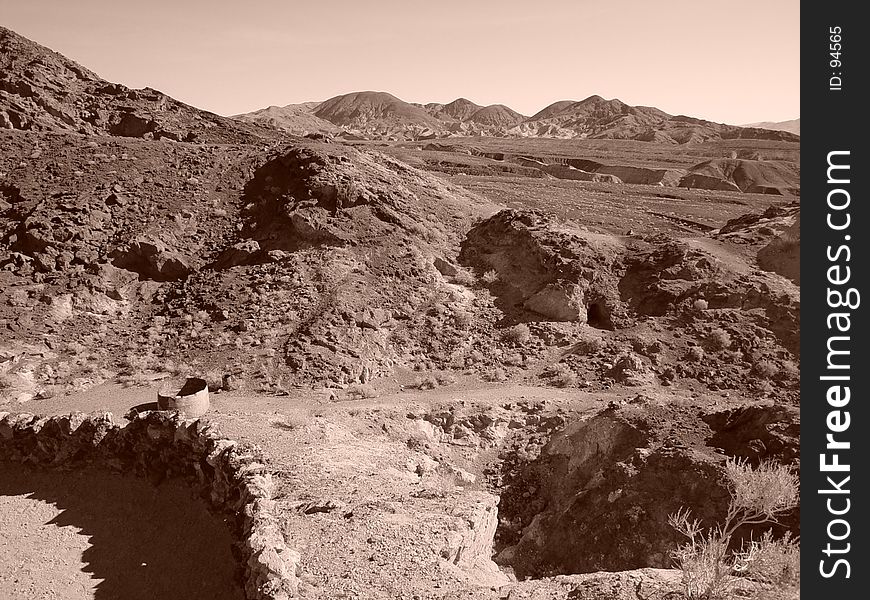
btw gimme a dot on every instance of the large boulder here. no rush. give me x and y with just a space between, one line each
558 302
151 259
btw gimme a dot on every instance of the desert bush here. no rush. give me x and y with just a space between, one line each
496 374
215 380
514 359
700 304
464 277
773 561
764 369
462 319
136 379
789 372
5 382
695 354
490 277
445 378
589 345
758 495
427 382
517 335
563 375
364 390
718 339
474 357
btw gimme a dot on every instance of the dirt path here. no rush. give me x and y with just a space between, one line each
101 536
721 252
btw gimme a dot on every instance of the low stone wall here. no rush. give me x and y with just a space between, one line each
232 476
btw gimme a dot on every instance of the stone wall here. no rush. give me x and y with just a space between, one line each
232 476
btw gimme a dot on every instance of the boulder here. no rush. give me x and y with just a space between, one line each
242 253
445 268
151 259
561 301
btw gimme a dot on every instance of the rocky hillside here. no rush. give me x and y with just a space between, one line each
41 90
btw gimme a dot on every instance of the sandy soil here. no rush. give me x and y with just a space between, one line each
95 535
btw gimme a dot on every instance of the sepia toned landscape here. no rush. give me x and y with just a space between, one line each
445 350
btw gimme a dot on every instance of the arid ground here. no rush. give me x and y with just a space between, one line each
487 358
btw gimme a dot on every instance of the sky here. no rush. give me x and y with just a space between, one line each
735 62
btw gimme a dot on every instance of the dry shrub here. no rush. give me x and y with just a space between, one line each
563 375
789 371
589 345
517 335
758 495
719 339
445 378
427 382
496 374
490 277
5 382
462 319
764 369
774 562
464 277
695 354
364 390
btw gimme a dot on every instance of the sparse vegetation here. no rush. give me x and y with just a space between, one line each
758 495
495 374
464 277
362 391
588 345
772 561
490 277
695 354
517 335
563 375
719 339
764 369
5 382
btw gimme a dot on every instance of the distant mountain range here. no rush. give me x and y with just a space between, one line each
43 90
379 115
793 126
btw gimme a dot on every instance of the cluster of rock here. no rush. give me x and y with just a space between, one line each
232 476
557 273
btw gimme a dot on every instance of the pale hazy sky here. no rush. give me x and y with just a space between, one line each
733 62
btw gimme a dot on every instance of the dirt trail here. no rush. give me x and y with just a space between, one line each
721 252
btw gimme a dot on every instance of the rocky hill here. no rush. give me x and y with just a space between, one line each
792 126
41 90
460 109
297 119
377 115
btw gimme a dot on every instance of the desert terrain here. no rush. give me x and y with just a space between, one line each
485 355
